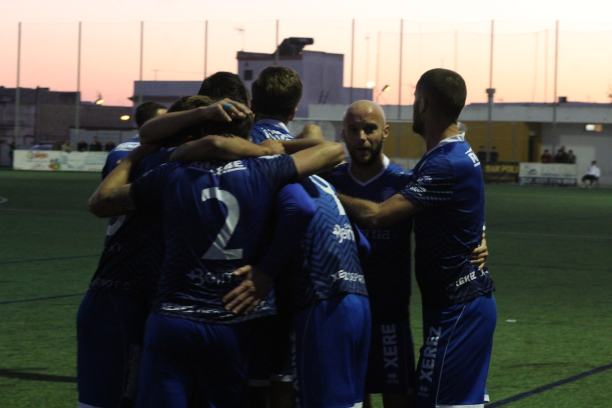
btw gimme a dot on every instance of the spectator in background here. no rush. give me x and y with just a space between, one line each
67 146
110 145
592 174
546 157
82 146
561 156
494 156
95 145
482 154
571 158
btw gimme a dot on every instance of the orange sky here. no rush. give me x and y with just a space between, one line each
451 34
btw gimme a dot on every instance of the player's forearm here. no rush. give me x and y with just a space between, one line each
363 212
316 159
218 148
164 126
297 145
107 201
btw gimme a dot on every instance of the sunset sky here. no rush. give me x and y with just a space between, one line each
443 33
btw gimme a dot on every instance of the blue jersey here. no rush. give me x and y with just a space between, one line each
387 270
119 153
269 129
447 185
134 247
215 215
326 260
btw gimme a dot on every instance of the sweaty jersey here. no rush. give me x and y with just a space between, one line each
269 129
215 215
325 263
447 185
387 271
134 247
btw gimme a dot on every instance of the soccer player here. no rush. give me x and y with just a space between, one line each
446 197
113 313
214 218
371 176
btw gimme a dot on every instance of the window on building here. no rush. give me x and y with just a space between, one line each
248 74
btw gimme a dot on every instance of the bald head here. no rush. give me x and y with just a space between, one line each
365 107
364 131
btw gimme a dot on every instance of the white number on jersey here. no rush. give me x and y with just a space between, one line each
217 249
114 227
324 185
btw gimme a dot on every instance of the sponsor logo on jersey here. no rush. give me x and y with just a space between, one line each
473 156
428 357
376 234
201 277
390 354
344 233
348 276
215 169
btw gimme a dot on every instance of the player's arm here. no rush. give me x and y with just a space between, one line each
112 197
295 210
224 148
378 215
311 131
164 126
321 157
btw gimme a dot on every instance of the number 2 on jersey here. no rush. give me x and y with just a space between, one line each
217 250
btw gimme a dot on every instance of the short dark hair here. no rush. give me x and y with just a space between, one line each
222 85
237 127
185 103
146 111
276 92
445 91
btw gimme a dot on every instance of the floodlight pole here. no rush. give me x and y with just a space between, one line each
276 52
141 61
555 99
206 49
352 61
398 151
490 93
377 67
77 124
16 133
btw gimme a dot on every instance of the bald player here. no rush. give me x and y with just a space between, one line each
370 175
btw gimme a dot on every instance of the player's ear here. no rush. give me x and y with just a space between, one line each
292 115
386 130
343 135
423 105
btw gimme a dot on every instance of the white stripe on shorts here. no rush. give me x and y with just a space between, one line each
82 405
461 406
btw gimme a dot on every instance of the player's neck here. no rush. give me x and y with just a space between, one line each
259 117
365 172
437 134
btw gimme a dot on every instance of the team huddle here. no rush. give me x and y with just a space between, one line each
244 267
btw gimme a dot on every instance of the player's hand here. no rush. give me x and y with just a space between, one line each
274 146
480 254
250 293
224 111
311 131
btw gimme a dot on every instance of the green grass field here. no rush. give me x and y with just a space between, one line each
551 259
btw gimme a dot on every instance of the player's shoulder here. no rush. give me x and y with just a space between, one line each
338 172
126 146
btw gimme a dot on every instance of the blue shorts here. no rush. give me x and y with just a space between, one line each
454 361
329 352
270 350
110 332
391 360
186 363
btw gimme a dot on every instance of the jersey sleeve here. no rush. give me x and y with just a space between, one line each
432 185
147 191
277 170
295 210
